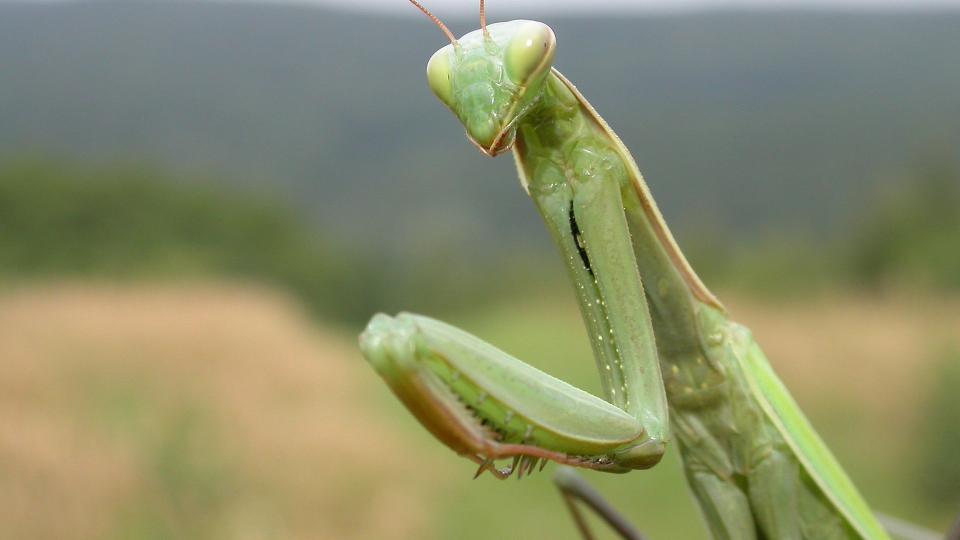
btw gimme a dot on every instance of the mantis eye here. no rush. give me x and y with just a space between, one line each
530 52
438 75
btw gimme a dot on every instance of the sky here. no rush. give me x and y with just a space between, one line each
466 7
445 8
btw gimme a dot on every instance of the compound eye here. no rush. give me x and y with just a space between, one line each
438 75
530 52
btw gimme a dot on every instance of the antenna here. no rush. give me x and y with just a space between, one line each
483 21
434 18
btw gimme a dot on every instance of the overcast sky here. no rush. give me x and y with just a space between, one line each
465 7
531 7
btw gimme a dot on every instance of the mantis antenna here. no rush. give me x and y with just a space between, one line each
483 20
437 21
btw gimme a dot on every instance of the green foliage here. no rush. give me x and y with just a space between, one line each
913 236
67 220
114 222
939 477
56 219
124 222
780 265
908 237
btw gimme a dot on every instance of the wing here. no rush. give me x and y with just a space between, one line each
810 450
646 200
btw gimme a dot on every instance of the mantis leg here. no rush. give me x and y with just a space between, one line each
725 507
787 504
574 489
773 491
487 405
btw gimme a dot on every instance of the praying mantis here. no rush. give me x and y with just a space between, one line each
675 370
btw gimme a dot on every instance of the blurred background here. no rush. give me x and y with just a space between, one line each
201 203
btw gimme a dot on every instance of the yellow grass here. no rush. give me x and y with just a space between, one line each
125 411
873 353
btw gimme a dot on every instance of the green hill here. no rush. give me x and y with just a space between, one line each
742 122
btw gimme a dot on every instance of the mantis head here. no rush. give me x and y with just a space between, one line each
491 77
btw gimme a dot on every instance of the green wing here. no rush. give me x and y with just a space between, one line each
650 210
810 450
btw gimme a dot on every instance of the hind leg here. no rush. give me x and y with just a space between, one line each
576 490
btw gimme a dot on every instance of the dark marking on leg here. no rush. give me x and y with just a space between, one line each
578 238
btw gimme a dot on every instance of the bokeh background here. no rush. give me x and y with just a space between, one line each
202 203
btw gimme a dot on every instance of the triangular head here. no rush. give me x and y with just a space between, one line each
491 77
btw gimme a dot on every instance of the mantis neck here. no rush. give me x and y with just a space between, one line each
562 124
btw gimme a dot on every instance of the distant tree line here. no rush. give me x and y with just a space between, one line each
908 237
119 222
64 219
61 219
912 236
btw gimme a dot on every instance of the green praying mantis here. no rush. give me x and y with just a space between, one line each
674 368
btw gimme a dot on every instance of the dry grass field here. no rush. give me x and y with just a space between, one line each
202 412
874 353
190 412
